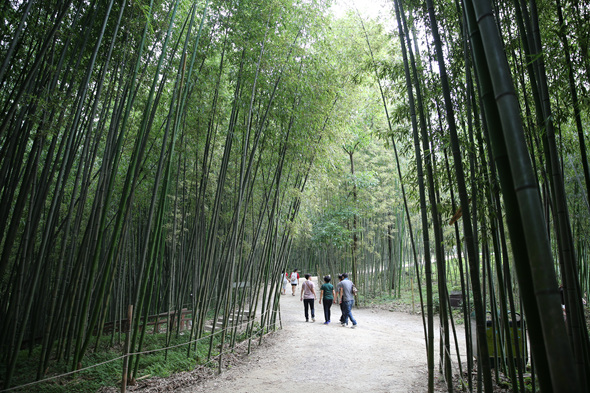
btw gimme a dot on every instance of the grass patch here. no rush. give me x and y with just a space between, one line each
157 364
407 301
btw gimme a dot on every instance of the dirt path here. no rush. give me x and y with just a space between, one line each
385 353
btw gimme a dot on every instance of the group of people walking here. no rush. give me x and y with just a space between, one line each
343 294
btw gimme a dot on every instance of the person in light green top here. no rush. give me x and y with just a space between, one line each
328 295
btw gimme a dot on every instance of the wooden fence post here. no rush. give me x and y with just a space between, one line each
127 344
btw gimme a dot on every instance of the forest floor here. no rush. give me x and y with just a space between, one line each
384 353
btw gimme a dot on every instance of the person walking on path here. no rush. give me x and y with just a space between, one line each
285 278
294 281
327 294
339 296
347 298
308 297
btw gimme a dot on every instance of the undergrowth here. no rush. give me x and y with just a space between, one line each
157 364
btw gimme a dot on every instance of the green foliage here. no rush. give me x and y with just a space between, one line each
151 149
141 172
331 230
156 364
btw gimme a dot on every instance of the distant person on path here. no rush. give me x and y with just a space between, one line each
347 298
294 280
339 296
308 297
327 294
285 278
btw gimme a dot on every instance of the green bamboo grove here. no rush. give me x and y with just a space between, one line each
487 98
176 156
153 154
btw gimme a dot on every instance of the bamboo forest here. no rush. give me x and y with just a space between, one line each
163 163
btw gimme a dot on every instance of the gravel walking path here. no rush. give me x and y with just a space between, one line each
385 353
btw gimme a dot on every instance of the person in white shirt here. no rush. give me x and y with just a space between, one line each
294 281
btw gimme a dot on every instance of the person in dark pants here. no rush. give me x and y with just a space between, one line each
327 294
342 306
308 297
